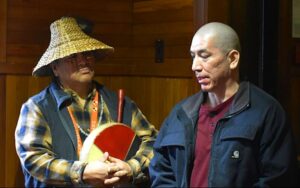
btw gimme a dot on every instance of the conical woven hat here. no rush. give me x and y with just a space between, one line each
67 38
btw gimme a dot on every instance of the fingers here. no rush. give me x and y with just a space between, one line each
112 159
112 169
120 173
111 180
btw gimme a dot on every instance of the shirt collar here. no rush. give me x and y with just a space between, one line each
75 95
63 96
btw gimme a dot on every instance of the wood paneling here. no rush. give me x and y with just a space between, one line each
2 128
153 5
170 39
218 11
3 15
174 68
169 15
200 13
163 28
211 11
18 90
170 21
79 5
29 32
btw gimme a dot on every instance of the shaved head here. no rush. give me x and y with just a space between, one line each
224 37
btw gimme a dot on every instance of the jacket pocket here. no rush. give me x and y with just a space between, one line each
245 131
235 155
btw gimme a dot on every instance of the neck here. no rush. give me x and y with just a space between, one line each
216 98
82 89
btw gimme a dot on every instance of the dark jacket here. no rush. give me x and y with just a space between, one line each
252 145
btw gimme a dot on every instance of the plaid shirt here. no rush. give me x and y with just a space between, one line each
34 143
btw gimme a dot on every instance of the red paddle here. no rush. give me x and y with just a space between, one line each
118 139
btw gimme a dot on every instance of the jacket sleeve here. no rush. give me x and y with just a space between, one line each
139 163
161 172
277 152
34 148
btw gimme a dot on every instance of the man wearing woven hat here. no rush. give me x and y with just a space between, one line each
54 123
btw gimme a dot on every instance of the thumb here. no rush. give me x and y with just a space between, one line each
104 157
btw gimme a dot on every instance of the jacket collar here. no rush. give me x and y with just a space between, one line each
241 100
191 106
61 97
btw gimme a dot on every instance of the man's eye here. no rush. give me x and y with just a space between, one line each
71 58
204 55
88 54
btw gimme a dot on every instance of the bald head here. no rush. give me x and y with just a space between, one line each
224 37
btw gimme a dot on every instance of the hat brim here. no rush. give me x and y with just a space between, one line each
67 38
46 70
102 50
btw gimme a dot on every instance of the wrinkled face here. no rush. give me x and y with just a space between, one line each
75 69
210 64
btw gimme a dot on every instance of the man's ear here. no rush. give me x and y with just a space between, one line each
53 66
234 57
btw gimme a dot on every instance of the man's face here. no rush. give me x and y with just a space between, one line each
76 68
210 64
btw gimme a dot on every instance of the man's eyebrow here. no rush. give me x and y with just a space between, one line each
199 51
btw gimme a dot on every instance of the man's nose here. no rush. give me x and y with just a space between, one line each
81 58
197 64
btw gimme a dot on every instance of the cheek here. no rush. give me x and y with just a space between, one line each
91 64
65 71
210 68
223 71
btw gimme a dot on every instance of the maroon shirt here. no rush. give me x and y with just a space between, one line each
208 117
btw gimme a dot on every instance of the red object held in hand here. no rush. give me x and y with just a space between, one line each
118 139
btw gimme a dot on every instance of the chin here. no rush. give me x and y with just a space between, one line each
205 88
85 79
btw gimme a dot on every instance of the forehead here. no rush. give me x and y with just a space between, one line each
202 41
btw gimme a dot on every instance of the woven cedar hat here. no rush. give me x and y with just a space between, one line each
67 38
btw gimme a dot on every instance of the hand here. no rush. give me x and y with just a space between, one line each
96 172
124 171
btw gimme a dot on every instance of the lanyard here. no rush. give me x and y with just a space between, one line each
93 121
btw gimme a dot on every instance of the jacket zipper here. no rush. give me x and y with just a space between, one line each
216 136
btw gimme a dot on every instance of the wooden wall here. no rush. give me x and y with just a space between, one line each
132 27
169 21
129 26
